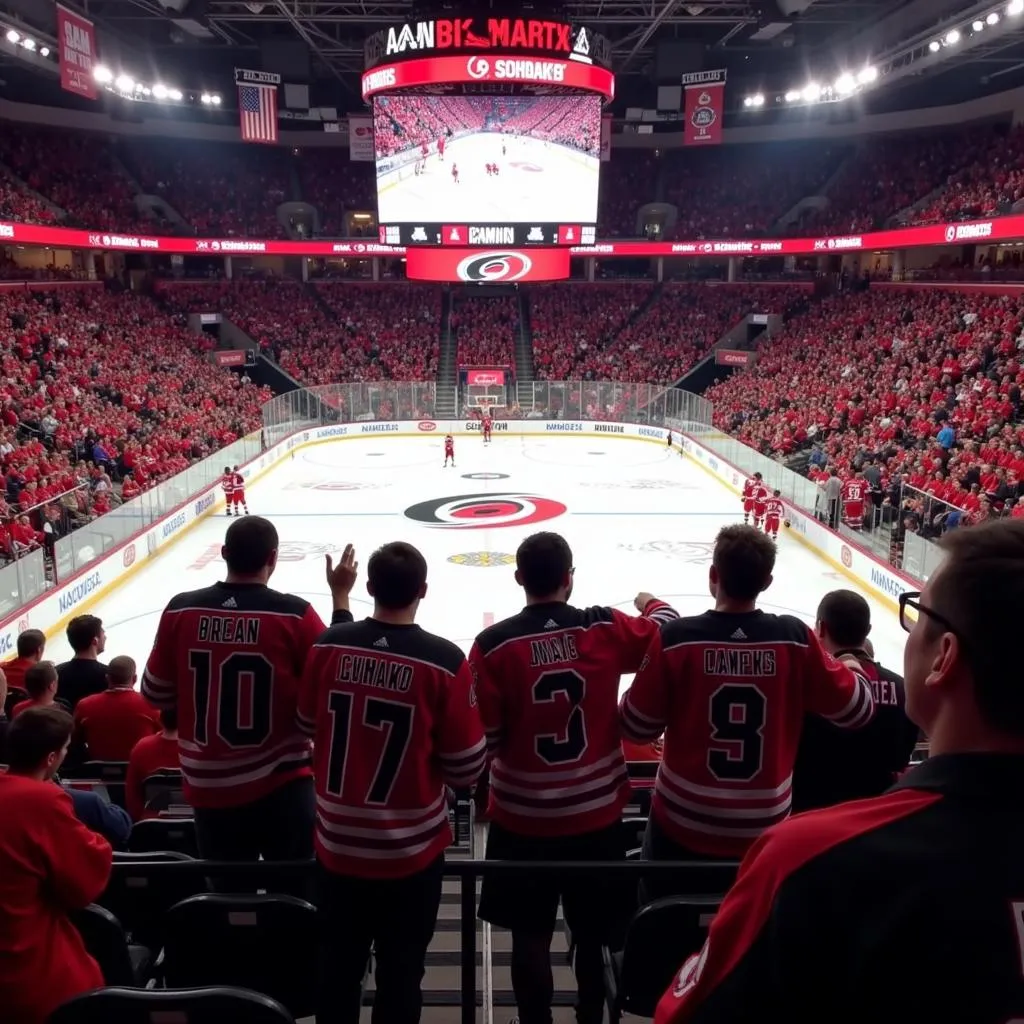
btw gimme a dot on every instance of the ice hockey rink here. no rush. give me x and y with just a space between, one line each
554 183
637 516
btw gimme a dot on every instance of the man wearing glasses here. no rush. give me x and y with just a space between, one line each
910 905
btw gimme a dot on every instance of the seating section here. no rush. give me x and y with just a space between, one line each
484 331
334 184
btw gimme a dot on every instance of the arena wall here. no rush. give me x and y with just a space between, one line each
76 595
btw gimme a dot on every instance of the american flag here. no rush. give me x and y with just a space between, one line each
257 106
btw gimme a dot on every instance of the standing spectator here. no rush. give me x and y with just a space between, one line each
382 765
939 851
31 644
548 683
152 754
50 865
41 686
84 674
834 765
832 490
109 724
247 770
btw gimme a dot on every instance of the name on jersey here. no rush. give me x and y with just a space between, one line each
230 629
885 693
381 673
552 650
732 661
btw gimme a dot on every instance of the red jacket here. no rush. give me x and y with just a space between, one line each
150 755
50 864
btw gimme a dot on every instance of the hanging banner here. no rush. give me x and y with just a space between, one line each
76 39
705 105
360 138
606 139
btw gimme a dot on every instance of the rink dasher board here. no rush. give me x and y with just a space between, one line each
51 612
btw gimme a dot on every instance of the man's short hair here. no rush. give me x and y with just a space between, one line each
169 718
846 616
82 630
744 558
396 574
31 642
34 735
249 545
979 588
38 678
543 561
121 670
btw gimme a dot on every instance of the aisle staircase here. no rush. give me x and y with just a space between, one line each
446 393
525 373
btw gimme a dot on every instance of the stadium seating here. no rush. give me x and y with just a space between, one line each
190 1006
334 185
107 943
484 331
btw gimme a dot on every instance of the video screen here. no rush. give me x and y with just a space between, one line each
487 159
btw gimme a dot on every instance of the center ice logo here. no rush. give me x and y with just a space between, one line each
484 511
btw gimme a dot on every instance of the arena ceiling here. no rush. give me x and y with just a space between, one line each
765 44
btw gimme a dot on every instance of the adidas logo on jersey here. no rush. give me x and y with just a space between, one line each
230 603
551 624
738 635
382 642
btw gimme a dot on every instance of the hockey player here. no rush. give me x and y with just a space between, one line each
487 428
227 485
238 492
455 173
761 496
748 497
774 511
669 442
449 450
853 494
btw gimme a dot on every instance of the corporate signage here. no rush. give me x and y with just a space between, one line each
996 229
444 36
427 71
502 266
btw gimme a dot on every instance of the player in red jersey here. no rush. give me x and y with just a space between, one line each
238 492
773 513
853 494
761 496
486 426
440 147
730 689
548 681
394 717
749 487
227 485
449 450
455 173
229 658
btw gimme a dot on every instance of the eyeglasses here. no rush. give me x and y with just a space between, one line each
912 599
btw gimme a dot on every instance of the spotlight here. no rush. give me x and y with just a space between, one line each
44 51
215 99
934 46
812 91
868 75
977 26
952 37
174 94
160 92
1015 7
29 44
12 36
139 87
993 18
792 96
748 101
102 74
124 83
845 84
205 98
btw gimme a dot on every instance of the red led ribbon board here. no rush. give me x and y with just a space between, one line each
487 266
497 70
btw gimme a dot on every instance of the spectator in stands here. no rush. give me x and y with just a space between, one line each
4 720
152 754
31 643
84 674
109 724
41 686
50 866
825 901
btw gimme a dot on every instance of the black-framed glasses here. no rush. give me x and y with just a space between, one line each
912 599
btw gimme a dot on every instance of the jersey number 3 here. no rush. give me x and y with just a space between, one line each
570 744
737 712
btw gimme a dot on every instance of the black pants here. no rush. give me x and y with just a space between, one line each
660 886
278 826
397 918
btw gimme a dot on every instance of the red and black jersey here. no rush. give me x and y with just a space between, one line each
548 683
748 489
230 657
761 493
394 715
227 482
833 765
907 906
730 692
854 492
238 486
487 424
774 508
449 444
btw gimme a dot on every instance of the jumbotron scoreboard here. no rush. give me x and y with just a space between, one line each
488 135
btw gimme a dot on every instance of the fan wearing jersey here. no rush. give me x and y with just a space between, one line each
853 494
730 689
229 658
548 682
395 719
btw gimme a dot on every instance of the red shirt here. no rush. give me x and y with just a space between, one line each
112 722
150 755
30 703
50 864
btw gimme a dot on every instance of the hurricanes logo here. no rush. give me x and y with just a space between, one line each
494 266
478 67
697 552
484 511
484 559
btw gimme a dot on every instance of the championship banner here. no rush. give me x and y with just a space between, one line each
499 266
76 40
705 105
360 138
606 139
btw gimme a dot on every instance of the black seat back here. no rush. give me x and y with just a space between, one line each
658 941
189 1006
162 794
106 942
111 774
159 834
264 943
